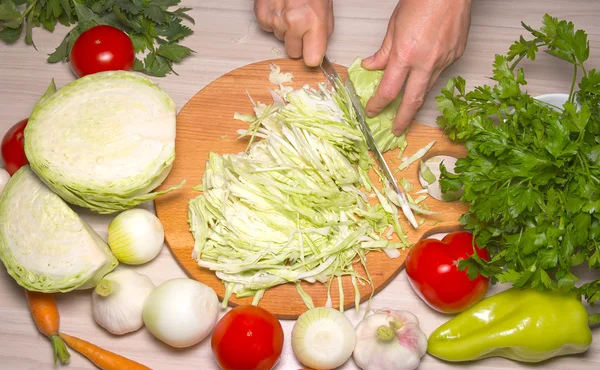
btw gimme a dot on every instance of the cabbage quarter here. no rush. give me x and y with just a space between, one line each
104 141
44 244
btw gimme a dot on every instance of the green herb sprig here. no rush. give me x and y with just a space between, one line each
532 172
154 29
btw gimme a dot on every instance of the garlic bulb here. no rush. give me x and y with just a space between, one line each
389 340
118 300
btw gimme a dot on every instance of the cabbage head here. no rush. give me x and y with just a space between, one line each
44 245
104 141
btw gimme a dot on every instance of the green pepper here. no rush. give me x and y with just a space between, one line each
523 325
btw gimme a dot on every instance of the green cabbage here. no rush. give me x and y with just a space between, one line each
104 141
365 83
44 244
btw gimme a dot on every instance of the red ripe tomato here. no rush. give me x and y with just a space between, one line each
13 148
247 337
101 48
432 269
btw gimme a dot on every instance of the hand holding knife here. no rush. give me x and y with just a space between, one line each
336 82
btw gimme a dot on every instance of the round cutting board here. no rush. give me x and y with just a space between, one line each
206 124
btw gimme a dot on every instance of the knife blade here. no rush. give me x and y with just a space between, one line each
336 82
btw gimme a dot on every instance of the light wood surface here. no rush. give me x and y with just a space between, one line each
220 48
206 124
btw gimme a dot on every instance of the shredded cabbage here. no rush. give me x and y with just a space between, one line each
294 207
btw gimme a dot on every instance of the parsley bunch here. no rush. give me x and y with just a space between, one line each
154 29
532 173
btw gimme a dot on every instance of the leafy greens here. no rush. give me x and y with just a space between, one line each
154 29
532 173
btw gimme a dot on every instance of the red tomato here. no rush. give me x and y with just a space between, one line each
432 269
13 148
247 337
101 48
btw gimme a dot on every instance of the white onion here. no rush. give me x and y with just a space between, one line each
181 312
136 236
323 338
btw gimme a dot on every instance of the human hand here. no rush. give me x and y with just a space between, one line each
424 37
304 26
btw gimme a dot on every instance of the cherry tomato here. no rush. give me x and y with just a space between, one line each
247 337
13 148
432 269
101 48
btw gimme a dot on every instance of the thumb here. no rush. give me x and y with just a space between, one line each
379 60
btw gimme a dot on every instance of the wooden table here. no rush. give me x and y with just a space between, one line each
220 47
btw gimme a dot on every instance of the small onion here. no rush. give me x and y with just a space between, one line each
136 236
323 338
181 312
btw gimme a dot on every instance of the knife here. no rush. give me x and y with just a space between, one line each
336 82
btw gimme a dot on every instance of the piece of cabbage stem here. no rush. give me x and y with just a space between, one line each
415 157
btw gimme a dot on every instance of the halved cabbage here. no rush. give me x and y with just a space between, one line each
44 244
103 141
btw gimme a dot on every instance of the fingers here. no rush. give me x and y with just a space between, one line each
280 27
414 97
379 60
305 30
434 78
293 44
309 43
330 23
263 14
315 45
389 87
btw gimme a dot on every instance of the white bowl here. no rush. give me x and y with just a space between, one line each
554 99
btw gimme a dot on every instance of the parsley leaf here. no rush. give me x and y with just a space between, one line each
174 52
8 10
11 35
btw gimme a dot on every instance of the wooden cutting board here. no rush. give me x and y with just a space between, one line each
206 124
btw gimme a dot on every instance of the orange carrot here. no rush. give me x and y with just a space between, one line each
45 315
102 358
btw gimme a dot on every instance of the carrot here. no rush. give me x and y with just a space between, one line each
102 358
45 315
